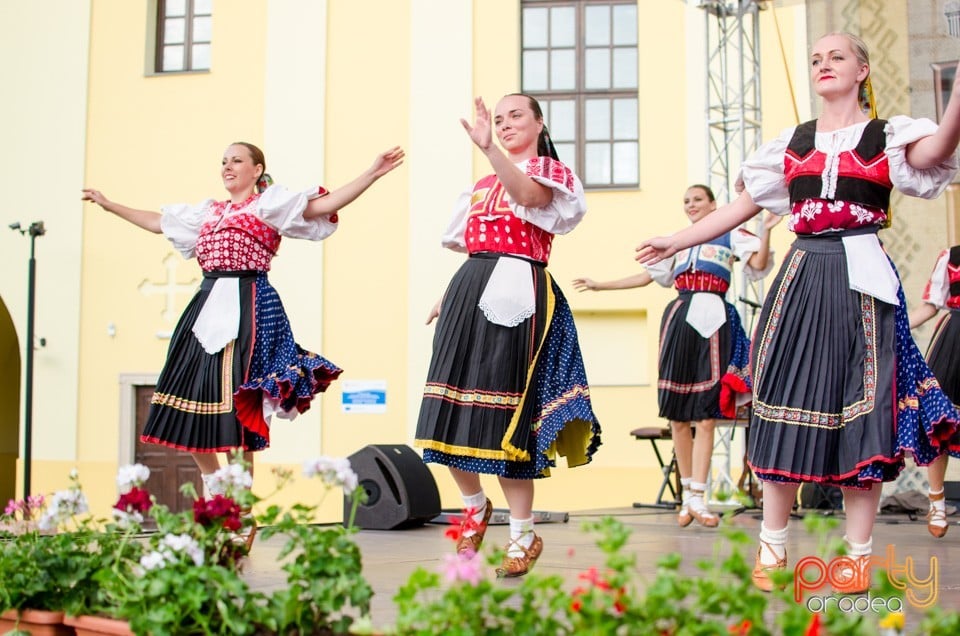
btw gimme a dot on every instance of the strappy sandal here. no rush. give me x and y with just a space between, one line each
704 517
761 573
937 515
520 565
473 542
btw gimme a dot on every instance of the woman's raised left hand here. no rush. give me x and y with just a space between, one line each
387 161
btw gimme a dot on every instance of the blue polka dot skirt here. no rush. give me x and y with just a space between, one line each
841 391
700 378
505 400
943 356
210 403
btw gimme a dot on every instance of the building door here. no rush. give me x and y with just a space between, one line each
9 405
169 468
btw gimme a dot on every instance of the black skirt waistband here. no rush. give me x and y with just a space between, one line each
494 255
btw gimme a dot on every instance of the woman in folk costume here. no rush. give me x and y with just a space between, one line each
841 392
942 291
506 391
232 362
704 352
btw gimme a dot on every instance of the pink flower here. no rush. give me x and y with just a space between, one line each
465 566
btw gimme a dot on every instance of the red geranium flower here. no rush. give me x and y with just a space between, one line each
218 509
136 500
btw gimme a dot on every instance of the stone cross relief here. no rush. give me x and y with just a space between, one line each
169 289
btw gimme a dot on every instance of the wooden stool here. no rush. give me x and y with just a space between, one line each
671 476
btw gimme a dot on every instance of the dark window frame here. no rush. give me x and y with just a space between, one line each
581 95
188 40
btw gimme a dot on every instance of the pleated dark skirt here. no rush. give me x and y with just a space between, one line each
505 400
699 378
943 356
841 392
210 403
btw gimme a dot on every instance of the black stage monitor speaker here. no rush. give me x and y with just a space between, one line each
401 491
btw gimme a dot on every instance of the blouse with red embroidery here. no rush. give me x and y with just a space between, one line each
227 236
766 179
487 220
943 287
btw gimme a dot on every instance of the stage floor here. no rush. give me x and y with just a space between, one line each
390 556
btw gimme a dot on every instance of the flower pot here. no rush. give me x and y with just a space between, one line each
37 622
93 625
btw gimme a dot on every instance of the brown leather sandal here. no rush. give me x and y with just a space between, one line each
935 514
520 565
761 573
704 517
473 542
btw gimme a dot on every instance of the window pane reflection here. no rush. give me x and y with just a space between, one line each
625 68
597 73
535 28
174 31
562 120
563 28
201 57
597 29
625 162
598 163
597 116
563 69
534 70
175 8
624 119
173 58
625 24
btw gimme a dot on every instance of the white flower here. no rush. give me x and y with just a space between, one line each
152 560
228 480
334 471
126 520
132 476
63 505
181 543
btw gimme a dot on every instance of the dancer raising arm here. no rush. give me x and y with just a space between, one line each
841 392
506 391
232 361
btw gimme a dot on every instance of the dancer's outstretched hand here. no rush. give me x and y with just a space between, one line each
655 250
95 196
480 133
434 312
387 161
584 284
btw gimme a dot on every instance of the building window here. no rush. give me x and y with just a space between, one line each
183 35
579 59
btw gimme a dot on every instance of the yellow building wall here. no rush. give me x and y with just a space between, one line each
43 109
323 89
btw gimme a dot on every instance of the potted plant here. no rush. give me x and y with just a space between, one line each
51 552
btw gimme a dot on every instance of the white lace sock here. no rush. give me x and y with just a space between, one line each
479 503
938 509
777 542
521 531
696 498
685 488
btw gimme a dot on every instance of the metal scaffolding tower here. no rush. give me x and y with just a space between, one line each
732 32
